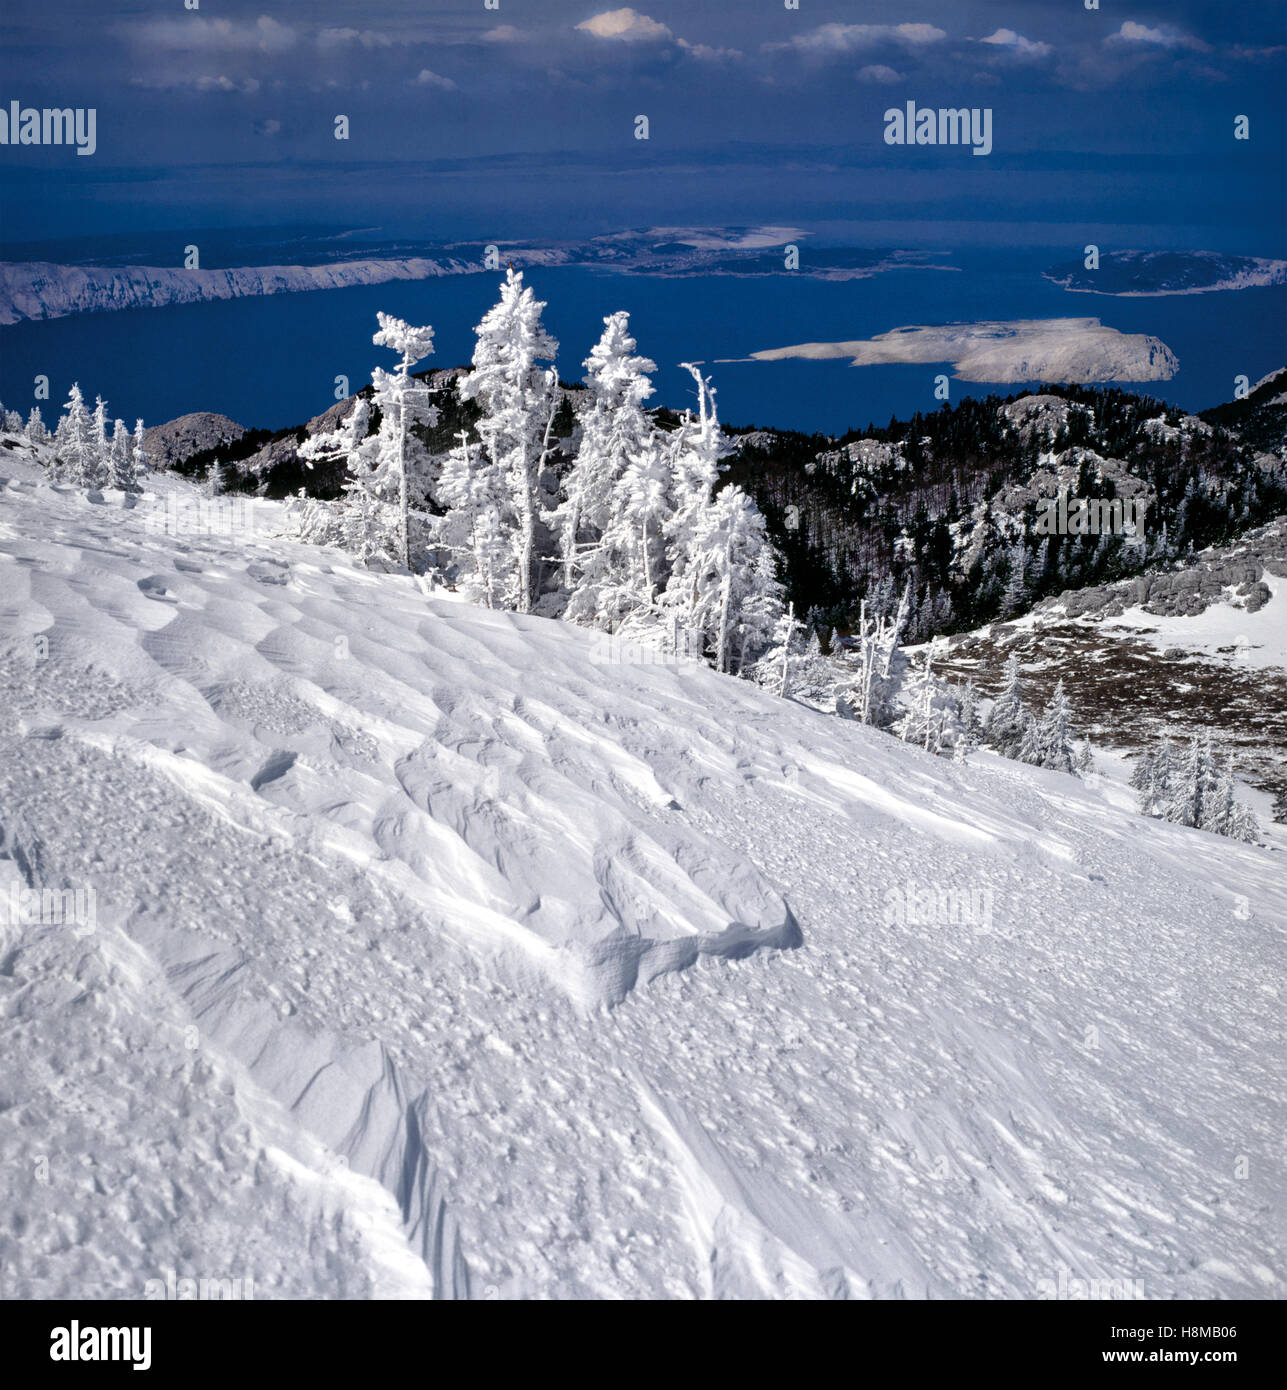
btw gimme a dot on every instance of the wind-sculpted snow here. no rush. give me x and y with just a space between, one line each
1054 350
371 864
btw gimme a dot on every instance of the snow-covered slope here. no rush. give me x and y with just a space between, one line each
592 974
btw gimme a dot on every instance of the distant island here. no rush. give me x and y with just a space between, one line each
1148 273
33 290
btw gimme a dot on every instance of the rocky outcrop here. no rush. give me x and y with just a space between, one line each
178 440
1233 575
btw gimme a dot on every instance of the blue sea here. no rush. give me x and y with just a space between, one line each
272 362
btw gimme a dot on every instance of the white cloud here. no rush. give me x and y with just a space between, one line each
628 25
503 33
196 34
878 72
1016 43
368 38
425 78
197 82
1130 32
267 127
706 54
846 38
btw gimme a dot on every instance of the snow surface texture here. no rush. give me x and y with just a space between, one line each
371 867
1057 350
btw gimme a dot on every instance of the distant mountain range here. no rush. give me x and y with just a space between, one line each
45 290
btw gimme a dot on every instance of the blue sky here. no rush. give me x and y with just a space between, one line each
475 122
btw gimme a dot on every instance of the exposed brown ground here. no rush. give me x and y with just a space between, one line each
1125 692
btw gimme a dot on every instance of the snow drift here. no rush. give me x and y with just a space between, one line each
435 953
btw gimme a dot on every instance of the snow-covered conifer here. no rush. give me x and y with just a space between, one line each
102 448
1217 813
971 725
373 518
922 721
121 472
776 665
403 402
75 450
724 588
1048 742
142 459
868 695
472 530
519 398
616 438
1189 786
1009 719
366 518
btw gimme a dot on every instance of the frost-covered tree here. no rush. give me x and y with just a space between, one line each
632 564
366 519
472 530
1193 790
1048 740
697 449
1084 764
1218 808
813 677
783 638
75 449
1190 786
1141 778
930 718
518 398
868 695
403 403
1009 720
102 444
616 437
214 479
722 594
970 735
35 428
723 588
373 517
1151 777
13 422
916 724
142 459
1243 824
121 473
